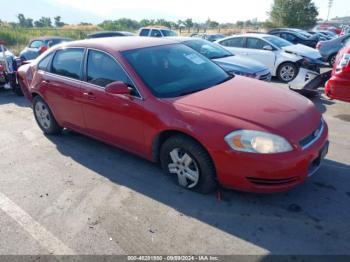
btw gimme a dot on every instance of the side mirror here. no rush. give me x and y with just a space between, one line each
117 88
267 48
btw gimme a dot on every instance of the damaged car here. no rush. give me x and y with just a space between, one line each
8 67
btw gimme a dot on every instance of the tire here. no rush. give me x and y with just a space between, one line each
284 72
44 117
16 88
331 60
188 163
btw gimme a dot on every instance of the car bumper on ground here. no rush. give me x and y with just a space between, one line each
307 81
270 173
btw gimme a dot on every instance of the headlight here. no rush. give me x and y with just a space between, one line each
257 142
244 74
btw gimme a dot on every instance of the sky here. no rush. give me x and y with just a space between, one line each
95 11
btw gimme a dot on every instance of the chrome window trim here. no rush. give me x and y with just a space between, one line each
320 133
86 50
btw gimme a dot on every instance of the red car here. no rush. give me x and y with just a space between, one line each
338 86
167 103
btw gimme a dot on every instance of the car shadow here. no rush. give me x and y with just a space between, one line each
307 219
8 97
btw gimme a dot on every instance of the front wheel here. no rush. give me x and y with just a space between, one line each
286 72
188 163
44 117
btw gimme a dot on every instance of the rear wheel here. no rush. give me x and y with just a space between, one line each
188 163
44 117
287 71
331 60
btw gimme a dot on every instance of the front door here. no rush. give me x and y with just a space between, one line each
114 118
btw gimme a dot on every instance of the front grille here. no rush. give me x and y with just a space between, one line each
310 139
271 182
265 77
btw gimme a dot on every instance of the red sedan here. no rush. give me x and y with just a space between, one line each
169 104
338 87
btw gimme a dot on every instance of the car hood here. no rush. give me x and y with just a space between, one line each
241 64
256 104
303 50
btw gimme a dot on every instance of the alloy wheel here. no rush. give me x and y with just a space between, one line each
43 115
287 73
185 167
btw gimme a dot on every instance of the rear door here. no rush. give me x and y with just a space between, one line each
235 45
255 50
62 87
117 119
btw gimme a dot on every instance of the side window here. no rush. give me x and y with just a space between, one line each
156 33
255 43
144 32
68 62
289 37
36 44
102 70
233 42
44 63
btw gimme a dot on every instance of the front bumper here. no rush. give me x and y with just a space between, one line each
269 173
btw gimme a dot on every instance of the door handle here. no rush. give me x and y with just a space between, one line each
89 95
45 81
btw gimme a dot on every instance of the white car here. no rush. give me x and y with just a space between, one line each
282 57
156 32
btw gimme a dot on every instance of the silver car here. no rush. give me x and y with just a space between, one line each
330 48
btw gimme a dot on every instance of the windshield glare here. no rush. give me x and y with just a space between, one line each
168 33
277 41
174 70
208 49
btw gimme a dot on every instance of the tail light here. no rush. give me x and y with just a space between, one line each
344 63
318 45
42 49
2 68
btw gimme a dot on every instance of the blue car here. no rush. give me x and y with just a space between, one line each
231 63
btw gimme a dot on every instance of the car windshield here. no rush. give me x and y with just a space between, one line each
208 49
174 70
168 33
277 41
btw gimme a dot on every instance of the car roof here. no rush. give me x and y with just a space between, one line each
257 35
182 38
43 38
120 43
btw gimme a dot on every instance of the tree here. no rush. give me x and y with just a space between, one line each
58 22
43 22
189 24
24 22
293 13
240 24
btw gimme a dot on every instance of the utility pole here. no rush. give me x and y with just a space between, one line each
330 4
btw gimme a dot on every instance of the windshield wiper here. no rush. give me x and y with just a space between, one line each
218 57
190 92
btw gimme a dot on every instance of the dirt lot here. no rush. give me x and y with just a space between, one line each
72 195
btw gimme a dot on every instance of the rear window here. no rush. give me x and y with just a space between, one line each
44 63
168 33
68 63
233 42
36 44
